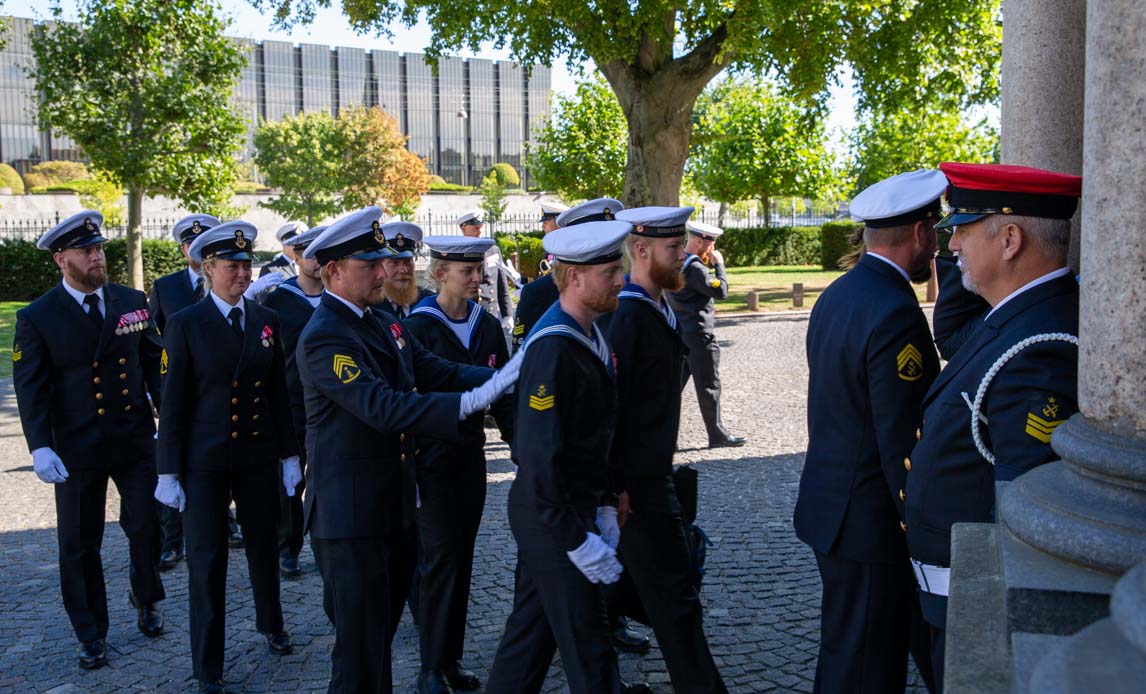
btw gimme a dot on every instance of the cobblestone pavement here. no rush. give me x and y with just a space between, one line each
761 591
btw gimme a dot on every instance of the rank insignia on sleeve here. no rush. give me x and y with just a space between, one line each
16 353
909 363
163 362
518 328
1042 421
543 400
345 368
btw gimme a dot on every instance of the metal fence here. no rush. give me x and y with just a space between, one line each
813 214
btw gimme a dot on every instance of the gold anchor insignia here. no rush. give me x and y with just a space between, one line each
345 368
541 401
1051 409
378 235
400 240
910 363
240 242
195 228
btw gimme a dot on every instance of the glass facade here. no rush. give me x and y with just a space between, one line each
471 115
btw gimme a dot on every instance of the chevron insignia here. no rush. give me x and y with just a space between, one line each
1041 429
909 363
542 400
345 368
163 362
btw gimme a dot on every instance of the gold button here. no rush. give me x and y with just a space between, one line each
907 464
234 418
127 408
254 433
258 384
415 389
234 384
122 361
96 380
95 364
903 526
125 391
234 434
256 400
918 434
402 438
234 401
255 418
99 396
902 496
123 377
403 457
101 411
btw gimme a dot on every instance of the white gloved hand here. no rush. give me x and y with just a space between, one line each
263 284
484 395
292 474
597 560
507 324
48 466
169 493
607 524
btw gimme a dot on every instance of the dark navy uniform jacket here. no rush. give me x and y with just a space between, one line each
85 394
948 480
361 378
650 372
695 305
225 403
290 302
169 294
486 348
870 362
957 311
566 408
397 311
536 298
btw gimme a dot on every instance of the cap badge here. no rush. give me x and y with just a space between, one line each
195 228
608 214
400 241
240 242
378 235
88 224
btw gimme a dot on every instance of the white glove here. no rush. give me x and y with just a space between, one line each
48 466
169 493
483 396
607 524
292 474
507 323
263 284
716 257
597 560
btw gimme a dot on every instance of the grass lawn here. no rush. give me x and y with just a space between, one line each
773 285
7 328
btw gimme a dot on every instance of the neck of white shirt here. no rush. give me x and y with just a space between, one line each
891 262
1052 275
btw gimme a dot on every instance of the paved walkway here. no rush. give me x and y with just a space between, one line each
761 591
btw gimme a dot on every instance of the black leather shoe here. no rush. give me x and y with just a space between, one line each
93 654
638 688
235 540
730 442
211 687
280 643
462 679
629 640
289 567
433 682
170 559
149 620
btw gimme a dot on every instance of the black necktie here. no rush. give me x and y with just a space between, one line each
92 301
198 288
236 316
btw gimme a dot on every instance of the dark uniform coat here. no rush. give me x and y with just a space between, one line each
957 311
84 394
169 294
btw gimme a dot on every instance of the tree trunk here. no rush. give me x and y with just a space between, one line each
766 210
135 237
720 213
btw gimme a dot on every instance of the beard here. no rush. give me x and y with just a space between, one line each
404 295
920 270
601 303
666 277
92 279
965 276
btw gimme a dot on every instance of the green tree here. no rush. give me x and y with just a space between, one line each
376 168
10 179
885 144
658 56
104 196
301 156
144 88
506 174
579 153
493 201
750 142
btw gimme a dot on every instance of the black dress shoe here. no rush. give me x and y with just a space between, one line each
289 567
629 640
169 559
462 679
280 643
638 688
730 442
93 654
149 619
433 682
235 540
211 687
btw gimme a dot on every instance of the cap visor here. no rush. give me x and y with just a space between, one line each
373 255
401 254
234 255
90 241
954 219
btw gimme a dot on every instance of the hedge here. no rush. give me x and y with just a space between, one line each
29 272
10 179
770 246
529 247
834 243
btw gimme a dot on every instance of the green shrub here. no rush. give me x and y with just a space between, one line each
81 186
160 257
29 272
250 187
770 246
33 180
444 187
528 245
10 179
61 171
506 175
834 243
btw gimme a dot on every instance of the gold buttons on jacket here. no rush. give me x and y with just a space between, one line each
258 384
95 364
123 377
907 464
255 418
99 396
234 401
96 380
234 418
125 391
903 526
402 438
402 457
234 384
122 361
256 401
254 433
101 411
918 434
127 408
234 434
902 496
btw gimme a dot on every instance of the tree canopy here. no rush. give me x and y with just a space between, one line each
144 89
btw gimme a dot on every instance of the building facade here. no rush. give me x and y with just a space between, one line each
469 116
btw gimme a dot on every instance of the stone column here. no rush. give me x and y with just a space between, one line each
1042 87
